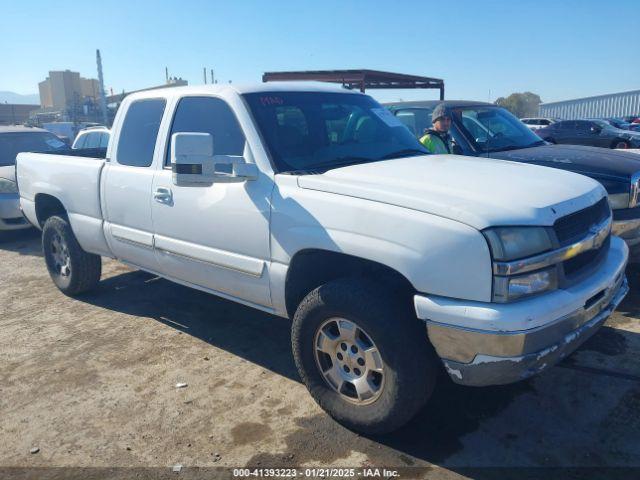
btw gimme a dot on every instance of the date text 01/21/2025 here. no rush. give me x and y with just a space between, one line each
314 472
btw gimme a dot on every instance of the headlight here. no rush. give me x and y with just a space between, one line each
7 186
507 289
619 200
512 243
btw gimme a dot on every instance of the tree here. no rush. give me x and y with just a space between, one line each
521 104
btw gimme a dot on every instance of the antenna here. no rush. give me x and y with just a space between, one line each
103 98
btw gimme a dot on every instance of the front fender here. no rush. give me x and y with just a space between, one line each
438 256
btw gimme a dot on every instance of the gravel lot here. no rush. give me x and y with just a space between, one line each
91 382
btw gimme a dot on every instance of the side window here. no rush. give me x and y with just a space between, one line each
545 122
408 119
418 120
82 139
93 139
582 126
104 140
208 115
139 132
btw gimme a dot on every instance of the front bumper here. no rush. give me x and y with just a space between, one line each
629 231
11 217
491 344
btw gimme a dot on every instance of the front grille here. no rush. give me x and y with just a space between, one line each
576 225
576 267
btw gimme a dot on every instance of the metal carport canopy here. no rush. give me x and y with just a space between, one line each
360 79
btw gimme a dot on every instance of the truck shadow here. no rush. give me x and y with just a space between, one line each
438 433
24 242
256 336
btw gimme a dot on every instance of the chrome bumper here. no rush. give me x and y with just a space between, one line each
510 357
628 230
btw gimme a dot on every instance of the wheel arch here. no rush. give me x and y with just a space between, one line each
47 206
310 268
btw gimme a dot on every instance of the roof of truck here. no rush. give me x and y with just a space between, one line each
244 88
19 129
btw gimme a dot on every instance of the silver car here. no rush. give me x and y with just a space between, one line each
13 140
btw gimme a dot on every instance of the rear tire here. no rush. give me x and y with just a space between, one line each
73 270
620 144
380 399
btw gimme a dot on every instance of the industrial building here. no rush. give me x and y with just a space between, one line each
63 89
601 106
15 114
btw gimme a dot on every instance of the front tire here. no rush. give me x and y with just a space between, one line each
620 144
363 355
73 270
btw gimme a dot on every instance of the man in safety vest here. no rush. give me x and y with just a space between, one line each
437 139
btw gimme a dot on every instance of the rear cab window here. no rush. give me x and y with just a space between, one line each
139 132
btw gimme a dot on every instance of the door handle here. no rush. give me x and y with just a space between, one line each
163 195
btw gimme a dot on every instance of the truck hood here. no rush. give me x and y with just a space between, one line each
600 163
8 172
479 192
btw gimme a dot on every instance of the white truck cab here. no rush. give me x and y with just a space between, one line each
315 203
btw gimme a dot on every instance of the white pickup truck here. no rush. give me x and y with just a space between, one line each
313 202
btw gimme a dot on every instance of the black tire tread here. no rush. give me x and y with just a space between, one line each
409 348
86 267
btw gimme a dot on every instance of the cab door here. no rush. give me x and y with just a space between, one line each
214 236
126 188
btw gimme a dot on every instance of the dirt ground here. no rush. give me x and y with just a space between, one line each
91 382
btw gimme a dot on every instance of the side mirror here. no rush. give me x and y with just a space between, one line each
193 162
192 158
596 130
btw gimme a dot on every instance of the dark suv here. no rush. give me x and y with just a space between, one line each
485 130
595 133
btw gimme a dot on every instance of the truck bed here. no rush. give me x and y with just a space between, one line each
74 180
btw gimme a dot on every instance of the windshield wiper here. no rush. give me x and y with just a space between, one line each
406 152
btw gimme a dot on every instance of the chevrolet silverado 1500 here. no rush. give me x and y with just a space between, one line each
315 203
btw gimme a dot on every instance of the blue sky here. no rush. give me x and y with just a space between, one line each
558 49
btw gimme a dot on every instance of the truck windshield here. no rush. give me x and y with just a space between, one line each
12 143
493 129
311 131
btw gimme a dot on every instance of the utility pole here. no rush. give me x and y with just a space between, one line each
103 98
204 70
212 82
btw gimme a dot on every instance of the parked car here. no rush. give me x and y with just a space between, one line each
13 140
614 122
537 122
486 130
595 133
315 203
632 118
92 137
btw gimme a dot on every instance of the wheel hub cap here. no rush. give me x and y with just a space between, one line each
60 256
349 360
